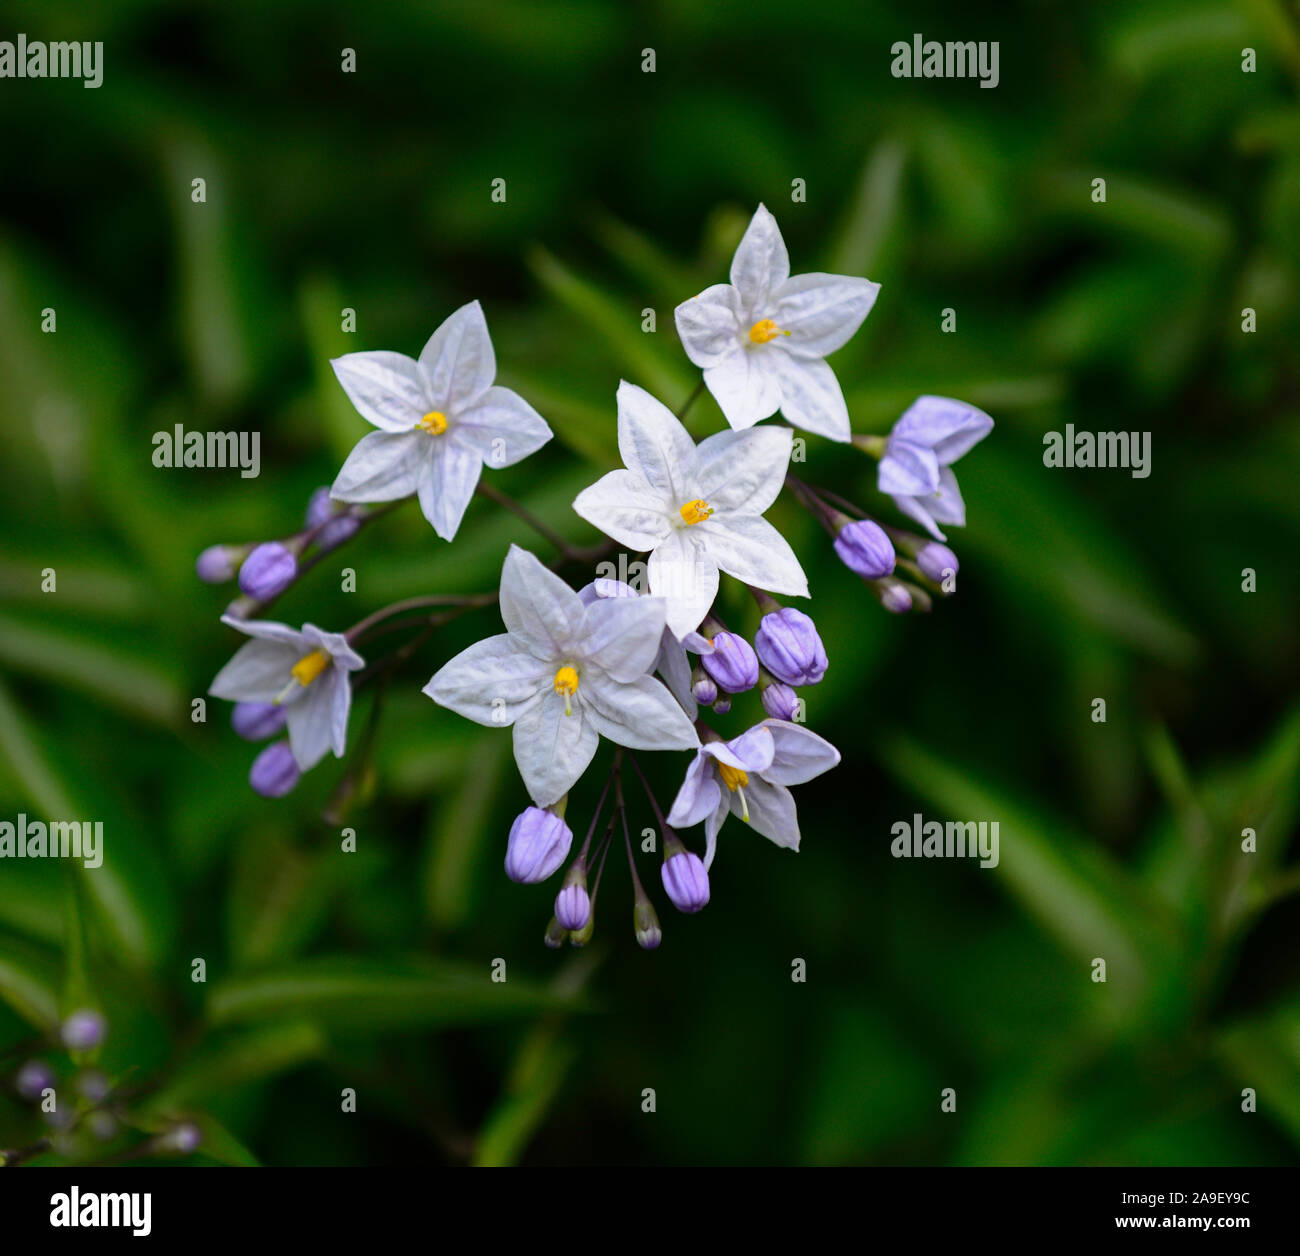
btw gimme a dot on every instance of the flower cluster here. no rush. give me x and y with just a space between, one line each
634 662
83 1113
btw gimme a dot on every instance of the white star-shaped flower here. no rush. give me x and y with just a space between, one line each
761 339
565 675
748 777
440 419
306 672
696 509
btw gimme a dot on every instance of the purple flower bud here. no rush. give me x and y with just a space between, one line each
723 704
320 508
256 721
84 1029
733 663
539 842
183 1138
218 563
780 701
268 570
572 907
645 923
34 1077
685 881
93 1085
788 644
935 560
275 771
864 548
704 690
894 597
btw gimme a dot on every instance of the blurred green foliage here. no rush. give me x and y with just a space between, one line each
628 191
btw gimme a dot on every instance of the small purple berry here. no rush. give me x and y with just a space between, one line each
733 663
84 1029
256 721
864 548
538 844
275 771
780 701
790 648
572 907
935 561
685 881
34 1077
267 571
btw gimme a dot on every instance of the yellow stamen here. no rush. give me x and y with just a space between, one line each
764 330
696 511
307 668
733 778
435 423
566 682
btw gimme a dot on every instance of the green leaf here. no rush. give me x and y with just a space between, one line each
29 984
1068 884
363 996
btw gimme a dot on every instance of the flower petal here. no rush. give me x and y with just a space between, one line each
493 682
907 469
800 754
712 825
686 577
640 714
553 749
771 812
698 795
383 467
810 394
674 669
311 722
458 361
501 427
822 311
387 388
267 630
745 389
652 441
761 264
446 485
709 325
947 505
623 505
752 550
948 427
621 635
258 672
537 606
743 471
913 508
340 708
335 644
754 749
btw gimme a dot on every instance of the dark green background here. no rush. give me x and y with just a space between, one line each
629 190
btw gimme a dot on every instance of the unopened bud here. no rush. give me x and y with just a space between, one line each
268 571
275 771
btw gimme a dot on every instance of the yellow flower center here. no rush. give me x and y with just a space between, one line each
566 682
733 778
307 668
696 511
764 330
435 423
